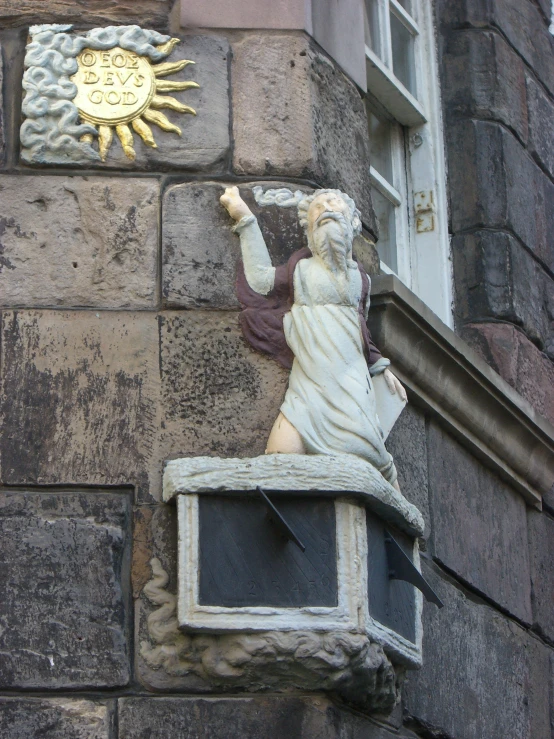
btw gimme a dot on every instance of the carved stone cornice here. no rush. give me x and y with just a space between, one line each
447 378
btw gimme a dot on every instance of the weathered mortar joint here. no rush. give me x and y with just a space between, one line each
346 663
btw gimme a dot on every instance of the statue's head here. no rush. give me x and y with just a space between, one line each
331 220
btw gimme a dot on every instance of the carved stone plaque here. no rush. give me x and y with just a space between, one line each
80 88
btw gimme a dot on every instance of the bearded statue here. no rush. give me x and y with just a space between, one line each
310 315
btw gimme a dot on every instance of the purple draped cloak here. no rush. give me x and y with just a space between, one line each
261 318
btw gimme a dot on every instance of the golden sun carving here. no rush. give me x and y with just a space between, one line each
118 89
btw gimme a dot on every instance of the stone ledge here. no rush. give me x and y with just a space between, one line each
317 473
447 378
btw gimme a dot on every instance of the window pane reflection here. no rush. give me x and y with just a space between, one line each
402 53
385 212
380 145
371 26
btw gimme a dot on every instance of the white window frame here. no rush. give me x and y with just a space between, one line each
418 162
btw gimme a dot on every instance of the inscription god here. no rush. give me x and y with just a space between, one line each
114 86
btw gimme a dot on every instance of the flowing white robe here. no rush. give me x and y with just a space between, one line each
330 399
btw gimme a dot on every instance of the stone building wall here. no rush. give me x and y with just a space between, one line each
498 89
121 348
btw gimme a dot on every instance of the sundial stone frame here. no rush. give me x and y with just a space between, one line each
352 614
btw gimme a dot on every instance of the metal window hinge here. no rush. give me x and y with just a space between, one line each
424 207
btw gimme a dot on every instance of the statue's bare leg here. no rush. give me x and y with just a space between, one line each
284 438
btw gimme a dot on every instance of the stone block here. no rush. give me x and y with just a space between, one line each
482 77
480 525
521 23
65 578
366 253
220 397
541 547
296 115
146 13
200 253
243 14
204 143
154 535
546 7
498 185
517 360
548 503
80 398
260 717
78 241
407 442
55 718
541 135
339 31
496 278
2 130
482 676
13 53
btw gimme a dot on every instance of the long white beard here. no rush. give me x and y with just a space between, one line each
332 243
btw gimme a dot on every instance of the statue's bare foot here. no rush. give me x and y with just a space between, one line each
284 438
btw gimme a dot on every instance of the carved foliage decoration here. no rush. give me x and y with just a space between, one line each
82 87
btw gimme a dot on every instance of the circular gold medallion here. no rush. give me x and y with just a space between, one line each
114 86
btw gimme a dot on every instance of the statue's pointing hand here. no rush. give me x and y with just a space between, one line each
395 386
234 204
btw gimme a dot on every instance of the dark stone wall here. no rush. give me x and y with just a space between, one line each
489 653
496 66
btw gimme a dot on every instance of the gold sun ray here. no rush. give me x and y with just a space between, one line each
126 137
166 101
145 132
168 47
105 138
162 70
119 90
154 116
168 86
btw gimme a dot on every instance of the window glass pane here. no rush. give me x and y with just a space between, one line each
380 144
402 53
385 212
371 25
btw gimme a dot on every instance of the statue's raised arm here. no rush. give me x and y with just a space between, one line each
258 269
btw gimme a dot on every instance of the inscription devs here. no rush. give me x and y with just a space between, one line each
114 85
